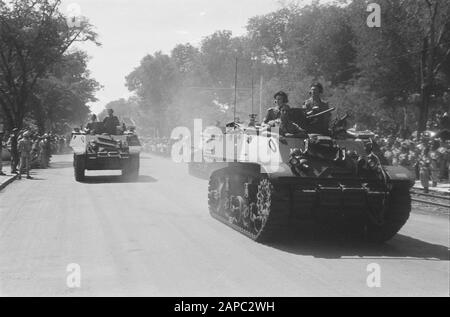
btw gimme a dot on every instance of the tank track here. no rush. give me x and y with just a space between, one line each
277 206
396 216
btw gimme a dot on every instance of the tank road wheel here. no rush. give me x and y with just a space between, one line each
79 164
130 171
261 213
270 213
396 215
248 204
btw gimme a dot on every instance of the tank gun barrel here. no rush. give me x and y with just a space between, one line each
320 113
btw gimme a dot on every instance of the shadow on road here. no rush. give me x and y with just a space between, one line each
61 165
117 179
337 245
34 179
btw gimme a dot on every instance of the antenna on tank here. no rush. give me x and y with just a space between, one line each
235 89
253 115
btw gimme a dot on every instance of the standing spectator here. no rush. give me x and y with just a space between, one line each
444 151
425 168
389 155
35 152
48 150
43 148
1 160
24 148
403 156
61 145
14 153
435 158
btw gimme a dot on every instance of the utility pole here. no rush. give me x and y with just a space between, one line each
260 97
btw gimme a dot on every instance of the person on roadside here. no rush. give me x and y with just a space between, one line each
24 149
13 142
1 159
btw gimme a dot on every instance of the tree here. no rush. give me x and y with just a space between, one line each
406 55
319 41
62 96
34 36
154 81
267 34
435 27
388 70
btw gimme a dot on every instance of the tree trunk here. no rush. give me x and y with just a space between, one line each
428 64
427 82
424 110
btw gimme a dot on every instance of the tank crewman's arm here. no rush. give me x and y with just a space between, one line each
89 127
273 117
269 116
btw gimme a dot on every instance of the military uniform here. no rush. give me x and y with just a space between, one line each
94 127
288 126
111 124
435 161
319 125
14 153
1 160
403 159
24 147
389 155
425 170
273 114
444 163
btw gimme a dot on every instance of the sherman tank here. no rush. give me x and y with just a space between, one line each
263 182
120 151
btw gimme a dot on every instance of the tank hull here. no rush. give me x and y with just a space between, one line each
106 152
264 198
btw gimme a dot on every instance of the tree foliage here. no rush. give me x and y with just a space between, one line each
388 75
34 37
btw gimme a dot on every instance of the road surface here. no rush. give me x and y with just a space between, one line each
156 238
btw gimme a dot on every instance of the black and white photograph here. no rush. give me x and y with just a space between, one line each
224 155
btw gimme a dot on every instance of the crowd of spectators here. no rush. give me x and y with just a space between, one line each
34 150
159 146
426 155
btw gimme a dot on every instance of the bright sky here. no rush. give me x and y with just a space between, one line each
130 29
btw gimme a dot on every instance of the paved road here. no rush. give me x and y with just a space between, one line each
156 238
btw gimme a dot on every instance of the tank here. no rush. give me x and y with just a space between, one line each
294 179
106 152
